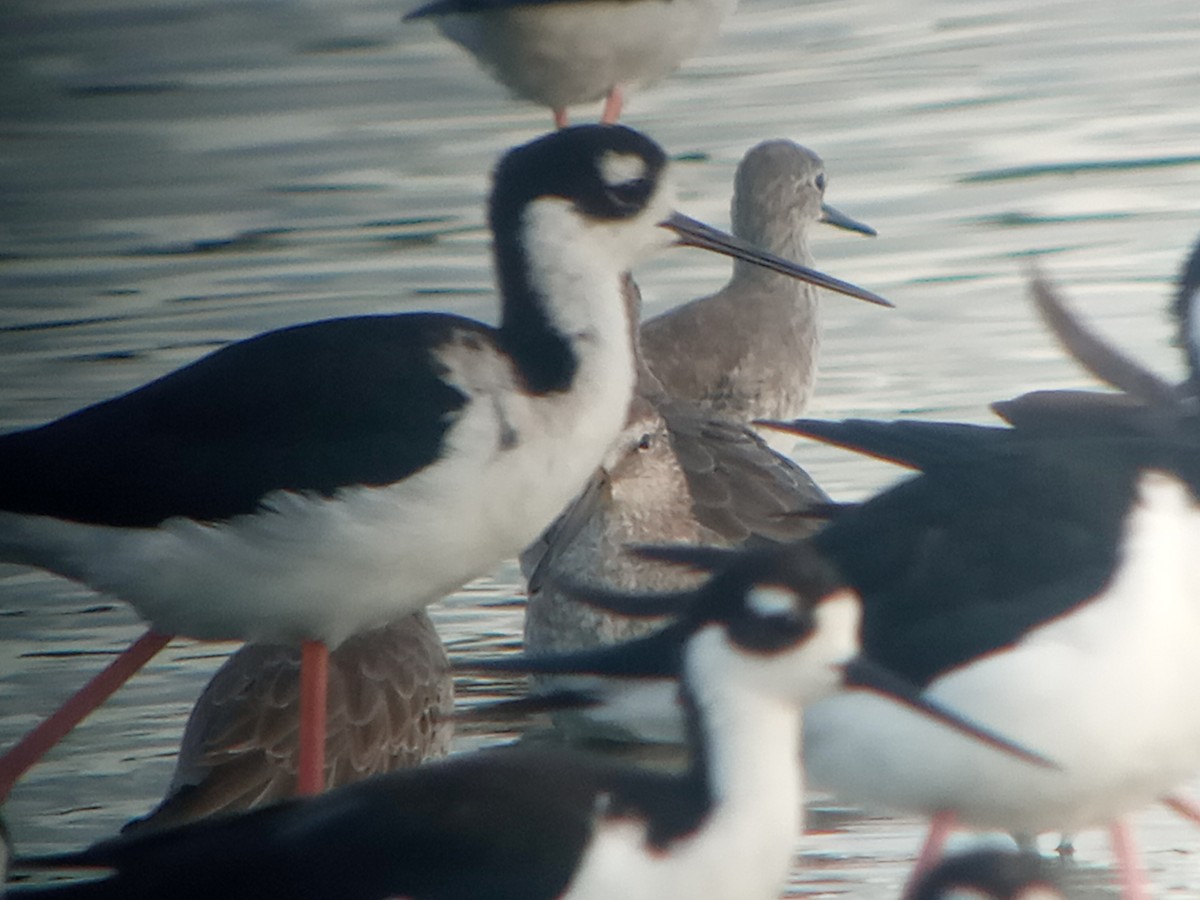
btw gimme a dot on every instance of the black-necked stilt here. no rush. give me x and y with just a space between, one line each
760 363
319 480
678 473
768 633
390 706
990 874
1147 403
1044 586
559 53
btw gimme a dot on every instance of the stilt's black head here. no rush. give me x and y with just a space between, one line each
607 172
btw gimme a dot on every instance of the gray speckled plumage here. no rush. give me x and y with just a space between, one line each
391 698
682 476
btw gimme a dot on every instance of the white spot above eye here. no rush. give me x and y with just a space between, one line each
1164 490
771 600
621 168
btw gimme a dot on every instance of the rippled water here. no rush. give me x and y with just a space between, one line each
178 174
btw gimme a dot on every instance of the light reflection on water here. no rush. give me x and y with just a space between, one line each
179 174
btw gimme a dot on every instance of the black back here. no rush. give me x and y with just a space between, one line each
312 408
1001 532
508 824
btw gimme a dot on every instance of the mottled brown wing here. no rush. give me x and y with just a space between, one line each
390 703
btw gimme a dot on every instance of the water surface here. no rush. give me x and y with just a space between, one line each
180 173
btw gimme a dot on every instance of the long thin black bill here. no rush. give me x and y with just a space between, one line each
694 556
657 655
634 605
693 233
529 705
861 672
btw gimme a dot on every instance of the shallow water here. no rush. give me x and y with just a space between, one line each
175 174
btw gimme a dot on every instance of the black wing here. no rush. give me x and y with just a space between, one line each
315 407
996 536
911 443
508 825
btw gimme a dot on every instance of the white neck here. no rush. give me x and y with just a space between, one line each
577 268
752 750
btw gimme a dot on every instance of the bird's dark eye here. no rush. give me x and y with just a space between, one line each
821 182
629 196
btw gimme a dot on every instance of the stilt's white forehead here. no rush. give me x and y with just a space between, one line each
621 168
1164 490
771 600
838 619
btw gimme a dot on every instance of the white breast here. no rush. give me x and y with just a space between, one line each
1106 691
308 566
559 54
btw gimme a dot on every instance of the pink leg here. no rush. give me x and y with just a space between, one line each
1184 806
1129 867
940 828
612 106
314 689
560 118
33 746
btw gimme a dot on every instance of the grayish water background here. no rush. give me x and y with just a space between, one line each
175 174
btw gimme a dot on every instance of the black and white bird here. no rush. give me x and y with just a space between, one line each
1046 587
687 468
323 479
1145 402
559 53
767 634
988 873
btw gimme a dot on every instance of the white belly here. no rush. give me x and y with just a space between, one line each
1107 692
739 856
324 568
559 54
